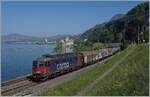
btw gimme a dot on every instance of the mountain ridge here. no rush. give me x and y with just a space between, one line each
122 27
16 37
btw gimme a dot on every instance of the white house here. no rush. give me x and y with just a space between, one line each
67 44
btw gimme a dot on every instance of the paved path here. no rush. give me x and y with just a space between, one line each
90 86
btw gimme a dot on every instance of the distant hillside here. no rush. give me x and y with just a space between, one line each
143 7
132 27
60 37
24 38
86 34
117 16
18 38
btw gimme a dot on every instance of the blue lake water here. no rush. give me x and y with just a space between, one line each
16 59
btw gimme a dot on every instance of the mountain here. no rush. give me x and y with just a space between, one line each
24 38
60 37
117 16
140 8
18 38
86 34
122 27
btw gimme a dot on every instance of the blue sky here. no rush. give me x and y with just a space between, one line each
53 18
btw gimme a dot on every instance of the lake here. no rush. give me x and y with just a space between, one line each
16 59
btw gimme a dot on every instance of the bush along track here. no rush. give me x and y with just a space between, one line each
76 85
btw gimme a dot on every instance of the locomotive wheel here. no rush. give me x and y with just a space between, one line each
53 75
44 78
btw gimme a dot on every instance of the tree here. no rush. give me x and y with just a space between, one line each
134 29
59 48
98 46
146 34
139 9
124 44
80 45
118 37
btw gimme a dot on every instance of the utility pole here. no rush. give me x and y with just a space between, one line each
65 45
142 37
138 34
92 51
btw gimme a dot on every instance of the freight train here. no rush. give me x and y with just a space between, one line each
48 66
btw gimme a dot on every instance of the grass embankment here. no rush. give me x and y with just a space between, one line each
77 84
130 78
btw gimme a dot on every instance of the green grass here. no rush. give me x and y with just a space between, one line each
75 85
130 78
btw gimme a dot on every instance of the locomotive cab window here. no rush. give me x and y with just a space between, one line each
47 63
41 65
38 65
34 65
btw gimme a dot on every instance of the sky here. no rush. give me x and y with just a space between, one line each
49 18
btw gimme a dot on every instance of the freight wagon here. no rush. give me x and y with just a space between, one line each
50 65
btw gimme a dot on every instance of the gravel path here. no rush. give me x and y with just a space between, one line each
90 86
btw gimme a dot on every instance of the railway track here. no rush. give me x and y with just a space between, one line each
19 79
12 87
18 87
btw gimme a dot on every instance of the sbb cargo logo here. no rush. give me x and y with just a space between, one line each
63 66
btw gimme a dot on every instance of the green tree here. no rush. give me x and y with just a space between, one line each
143 7
118 37
79 46
146 34
59 48
98 46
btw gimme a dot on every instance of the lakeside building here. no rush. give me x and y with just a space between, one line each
67 44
